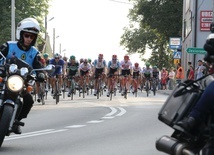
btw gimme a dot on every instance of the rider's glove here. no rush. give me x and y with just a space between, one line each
41 77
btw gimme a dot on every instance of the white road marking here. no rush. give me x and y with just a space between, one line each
95 121
75 126
113 111
122 112
110 117
34 134
49 131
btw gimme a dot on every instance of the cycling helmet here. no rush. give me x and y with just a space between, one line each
45 55
126 57
89 60
85 60
65 58
100 56
147 64
81 60
57 55
30 25
136 64
114 56
155 67
72 57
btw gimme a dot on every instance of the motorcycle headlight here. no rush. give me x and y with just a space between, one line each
15 83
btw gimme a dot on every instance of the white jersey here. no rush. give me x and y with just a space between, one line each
125 65
85 67
99 64
136 69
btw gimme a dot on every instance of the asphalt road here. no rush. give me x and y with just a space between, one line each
90 126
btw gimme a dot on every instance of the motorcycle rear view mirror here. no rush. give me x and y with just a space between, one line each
49 67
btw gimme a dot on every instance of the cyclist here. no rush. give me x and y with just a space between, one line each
84 70
91 78
59 71
46 57
155 74
65 80
125 70
147 74
113 68
72 71
47 61
81 60
92 66
99 68
136 75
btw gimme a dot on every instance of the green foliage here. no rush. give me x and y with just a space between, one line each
153 22
24 8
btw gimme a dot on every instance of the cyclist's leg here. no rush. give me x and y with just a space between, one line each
95 81
52 81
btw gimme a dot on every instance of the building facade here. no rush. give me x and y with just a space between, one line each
197 16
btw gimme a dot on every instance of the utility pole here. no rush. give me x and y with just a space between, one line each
53 41
13 20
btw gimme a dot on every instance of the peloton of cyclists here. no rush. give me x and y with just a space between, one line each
112 69
125 70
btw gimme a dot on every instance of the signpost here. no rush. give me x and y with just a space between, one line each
193 50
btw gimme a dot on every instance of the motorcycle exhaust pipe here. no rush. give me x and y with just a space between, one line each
170 145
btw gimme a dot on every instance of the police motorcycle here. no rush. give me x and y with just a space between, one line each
177 107
16 79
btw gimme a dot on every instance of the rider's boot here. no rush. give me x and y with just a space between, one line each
187 124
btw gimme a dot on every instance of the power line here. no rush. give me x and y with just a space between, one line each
121 2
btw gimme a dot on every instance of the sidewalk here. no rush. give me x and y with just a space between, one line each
166 92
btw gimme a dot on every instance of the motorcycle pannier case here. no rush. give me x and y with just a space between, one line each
179 103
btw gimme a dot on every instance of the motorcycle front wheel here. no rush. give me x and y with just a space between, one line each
5 117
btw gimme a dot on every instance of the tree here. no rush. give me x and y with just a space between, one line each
24 8
153 22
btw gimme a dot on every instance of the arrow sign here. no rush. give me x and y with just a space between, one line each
196 50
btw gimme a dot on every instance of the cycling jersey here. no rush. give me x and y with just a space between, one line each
136 71
125 65
58 66
72 68
147 72
85 67
155 73
99 64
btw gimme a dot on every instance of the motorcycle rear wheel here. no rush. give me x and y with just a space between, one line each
6 115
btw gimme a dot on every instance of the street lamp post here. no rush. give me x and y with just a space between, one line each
13 20
54 38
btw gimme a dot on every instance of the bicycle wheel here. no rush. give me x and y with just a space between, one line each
56 92
147 88
72 89
83 90
154 88
42 93
98 90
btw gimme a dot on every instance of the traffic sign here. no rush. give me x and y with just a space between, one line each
177 55
176 61
193 50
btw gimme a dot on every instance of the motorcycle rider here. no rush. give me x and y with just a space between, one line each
26 33
204 106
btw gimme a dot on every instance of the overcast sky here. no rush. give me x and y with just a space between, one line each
89 27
